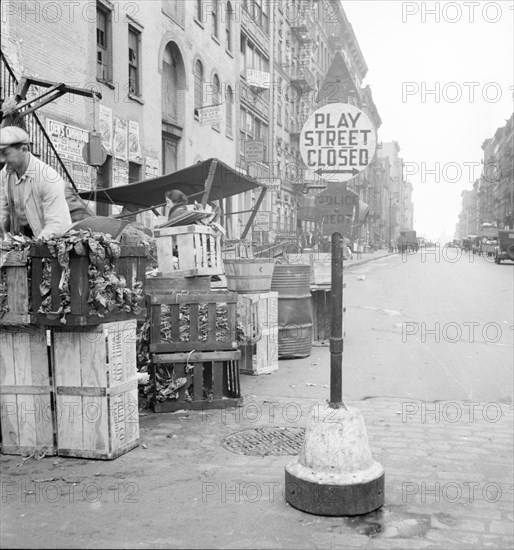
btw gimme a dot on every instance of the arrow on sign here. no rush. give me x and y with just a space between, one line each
353 171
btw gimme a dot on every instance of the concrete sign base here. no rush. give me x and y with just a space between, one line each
335 474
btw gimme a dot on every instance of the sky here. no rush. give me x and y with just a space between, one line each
463 53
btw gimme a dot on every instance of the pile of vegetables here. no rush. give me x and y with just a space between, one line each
108 291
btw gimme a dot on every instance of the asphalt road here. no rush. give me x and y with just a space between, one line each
423 326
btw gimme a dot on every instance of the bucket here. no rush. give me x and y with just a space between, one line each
247 276
292 282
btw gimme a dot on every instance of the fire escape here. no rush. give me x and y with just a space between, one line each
25 116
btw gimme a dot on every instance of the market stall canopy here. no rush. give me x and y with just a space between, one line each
193 180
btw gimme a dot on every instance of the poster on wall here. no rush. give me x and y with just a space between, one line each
152 168
120 138
68 142
105 117
133 141
120 174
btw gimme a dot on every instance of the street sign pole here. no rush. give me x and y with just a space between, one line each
335 474
336 323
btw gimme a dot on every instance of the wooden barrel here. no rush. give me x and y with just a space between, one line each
292 282
247 276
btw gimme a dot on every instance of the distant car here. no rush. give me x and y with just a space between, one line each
505 248
489 247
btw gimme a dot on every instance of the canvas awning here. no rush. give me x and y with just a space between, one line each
209 180
193 180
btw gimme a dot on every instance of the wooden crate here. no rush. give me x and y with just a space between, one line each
27 419
213 355
257 314
96 390
190 305
14 272
24 296
197 250
214 375
131 264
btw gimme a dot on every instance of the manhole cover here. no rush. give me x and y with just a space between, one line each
274 441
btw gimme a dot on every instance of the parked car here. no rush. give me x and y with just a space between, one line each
505 247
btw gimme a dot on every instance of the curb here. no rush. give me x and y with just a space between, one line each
367 260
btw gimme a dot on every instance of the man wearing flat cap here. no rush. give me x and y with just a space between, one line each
32 194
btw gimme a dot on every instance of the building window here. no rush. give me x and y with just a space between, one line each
134 56
228 26
199 11
103 44
228 113
214 7
216 96
198 86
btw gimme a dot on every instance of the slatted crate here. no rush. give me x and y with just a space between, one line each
188 251
131 264
27 419
213 375
257 315
14 276
96 390
189 323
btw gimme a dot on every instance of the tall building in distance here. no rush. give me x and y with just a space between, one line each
491 200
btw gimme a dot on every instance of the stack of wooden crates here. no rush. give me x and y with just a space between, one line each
70 389
184 306
257 315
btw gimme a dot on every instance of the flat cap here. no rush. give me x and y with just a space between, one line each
11 135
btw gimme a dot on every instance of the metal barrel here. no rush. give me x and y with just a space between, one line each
292 282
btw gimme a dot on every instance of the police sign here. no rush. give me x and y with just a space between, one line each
338 141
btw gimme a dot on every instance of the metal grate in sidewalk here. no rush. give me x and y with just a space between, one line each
273 441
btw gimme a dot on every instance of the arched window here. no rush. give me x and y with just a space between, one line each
172 82
228 26
228 113
216 96
198 86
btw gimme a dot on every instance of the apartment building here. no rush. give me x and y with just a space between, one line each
185 80
492 198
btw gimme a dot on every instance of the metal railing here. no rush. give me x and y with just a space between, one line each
41 145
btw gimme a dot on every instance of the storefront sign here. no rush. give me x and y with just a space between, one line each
254 151
262 221
259 79
337 142
69 142
210 115
273 184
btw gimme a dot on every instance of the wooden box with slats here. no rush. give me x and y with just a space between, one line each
27 417
95 373
193 337
188 251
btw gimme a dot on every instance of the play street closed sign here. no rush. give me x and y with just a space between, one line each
337 142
